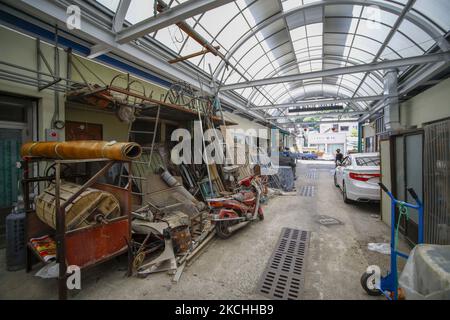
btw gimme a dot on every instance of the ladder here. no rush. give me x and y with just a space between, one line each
142 165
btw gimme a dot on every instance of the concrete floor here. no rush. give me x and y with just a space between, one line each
230 269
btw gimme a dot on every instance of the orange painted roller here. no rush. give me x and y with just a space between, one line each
88 149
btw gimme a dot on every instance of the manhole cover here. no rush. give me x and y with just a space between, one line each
283 277
328 221
307 191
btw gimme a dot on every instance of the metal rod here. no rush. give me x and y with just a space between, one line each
35 71
60 236
49 84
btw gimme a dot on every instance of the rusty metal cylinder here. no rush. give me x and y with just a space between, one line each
122 151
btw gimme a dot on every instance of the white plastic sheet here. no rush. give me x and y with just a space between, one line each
384 248
49 271
426 275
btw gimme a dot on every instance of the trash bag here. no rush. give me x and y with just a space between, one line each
426 275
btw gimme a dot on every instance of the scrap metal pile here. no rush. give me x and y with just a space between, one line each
175 217
177 209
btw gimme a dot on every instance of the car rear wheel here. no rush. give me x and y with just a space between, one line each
344 194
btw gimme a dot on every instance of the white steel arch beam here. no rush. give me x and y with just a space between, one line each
168 17
299 124
119 17
319 101
420 22
383 65
329 58
315 114
338 95
292 64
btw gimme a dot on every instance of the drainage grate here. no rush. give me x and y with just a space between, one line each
283 278
312 175
281 286
291 246
307 191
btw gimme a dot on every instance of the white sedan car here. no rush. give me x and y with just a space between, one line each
358 176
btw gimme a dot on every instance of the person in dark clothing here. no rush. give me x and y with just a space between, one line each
339 156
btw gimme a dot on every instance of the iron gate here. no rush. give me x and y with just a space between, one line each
437 183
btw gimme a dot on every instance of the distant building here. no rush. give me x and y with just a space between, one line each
328 142
349 128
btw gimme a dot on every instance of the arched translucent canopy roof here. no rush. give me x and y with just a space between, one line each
270 38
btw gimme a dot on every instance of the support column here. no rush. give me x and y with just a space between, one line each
391 105
360 137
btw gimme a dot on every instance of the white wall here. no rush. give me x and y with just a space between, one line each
431 105
20 49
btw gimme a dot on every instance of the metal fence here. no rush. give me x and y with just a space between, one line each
437 183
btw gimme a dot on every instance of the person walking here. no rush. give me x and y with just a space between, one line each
339 157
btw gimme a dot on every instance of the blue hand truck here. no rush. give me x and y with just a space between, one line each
388 285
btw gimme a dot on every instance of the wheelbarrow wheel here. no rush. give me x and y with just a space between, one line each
368 283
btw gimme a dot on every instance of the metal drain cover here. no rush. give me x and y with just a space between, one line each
312 175
328 221
283 277
307 191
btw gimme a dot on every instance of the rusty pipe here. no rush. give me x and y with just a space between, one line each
121 151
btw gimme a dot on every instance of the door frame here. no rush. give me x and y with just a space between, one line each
29 129
405 226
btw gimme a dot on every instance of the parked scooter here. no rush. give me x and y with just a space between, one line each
232 213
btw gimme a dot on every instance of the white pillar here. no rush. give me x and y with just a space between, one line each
391 105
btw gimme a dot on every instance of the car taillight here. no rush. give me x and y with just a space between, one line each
363 176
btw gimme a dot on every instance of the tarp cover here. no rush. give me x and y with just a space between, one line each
427 273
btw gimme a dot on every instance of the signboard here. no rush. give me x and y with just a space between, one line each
327 138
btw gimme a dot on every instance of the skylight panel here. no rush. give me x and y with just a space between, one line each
315 41
290 4
110 4
300 45
298 33
314 29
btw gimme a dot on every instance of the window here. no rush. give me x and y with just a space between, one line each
345 128
368 161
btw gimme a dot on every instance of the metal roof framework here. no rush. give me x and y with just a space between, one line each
268 40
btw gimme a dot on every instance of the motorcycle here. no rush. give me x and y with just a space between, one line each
230 214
